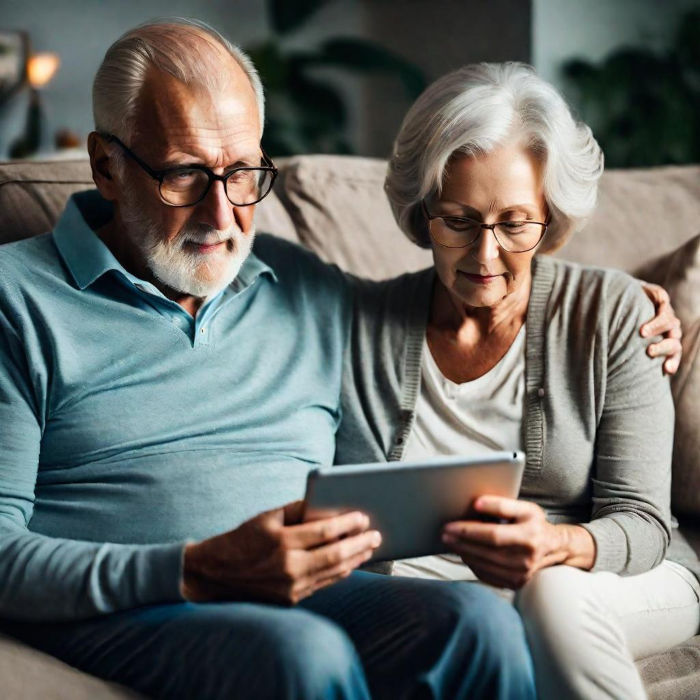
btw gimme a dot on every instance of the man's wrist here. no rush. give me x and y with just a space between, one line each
190 575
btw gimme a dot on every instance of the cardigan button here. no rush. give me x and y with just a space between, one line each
540 392
399 441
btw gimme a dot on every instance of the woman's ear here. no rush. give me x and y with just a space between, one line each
102 165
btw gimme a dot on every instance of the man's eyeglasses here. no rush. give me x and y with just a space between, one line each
188 185
460 232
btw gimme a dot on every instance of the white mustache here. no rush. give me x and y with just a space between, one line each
211 237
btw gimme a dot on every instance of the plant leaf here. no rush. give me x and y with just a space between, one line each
370 57
287 15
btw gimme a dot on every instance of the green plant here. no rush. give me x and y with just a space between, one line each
644 106
305 112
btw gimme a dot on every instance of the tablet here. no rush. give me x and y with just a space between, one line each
409 502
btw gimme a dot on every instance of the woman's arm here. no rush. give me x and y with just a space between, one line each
509 554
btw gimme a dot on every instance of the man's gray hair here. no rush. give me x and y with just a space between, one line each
472 111
187 49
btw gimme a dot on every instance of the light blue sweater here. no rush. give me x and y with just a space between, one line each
127 427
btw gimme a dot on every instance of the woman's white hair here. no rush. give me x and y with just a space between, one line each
472 111
187 49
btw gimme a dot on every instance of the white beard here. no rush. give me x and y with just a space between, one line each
186 271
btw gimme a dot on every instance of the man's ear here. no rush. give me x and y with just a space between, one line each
102 167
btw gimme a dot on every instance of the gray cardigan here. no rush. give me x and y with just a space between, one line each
598 419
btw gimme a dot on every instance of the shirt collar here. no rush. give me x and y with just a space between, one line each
88 258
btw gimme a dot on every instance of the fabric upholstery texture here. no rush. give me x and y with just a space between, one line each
673 675
335 206
340 211
32 195
28 674
641 214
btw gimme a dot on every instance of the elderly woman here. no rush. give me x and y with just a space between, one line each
499 347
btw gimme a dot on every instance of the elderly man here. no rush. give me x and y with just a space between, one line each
160 385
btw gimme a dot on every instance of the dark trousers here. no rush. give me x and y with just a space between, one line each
367 636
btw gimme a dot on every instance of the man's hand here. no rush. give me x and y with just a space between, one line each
275 558
666 324
507 555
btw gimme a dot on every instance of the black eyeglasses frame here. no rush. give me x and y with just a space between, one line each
160 175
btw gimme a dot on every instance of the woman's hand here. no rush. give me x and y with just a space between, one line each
508 554
666 324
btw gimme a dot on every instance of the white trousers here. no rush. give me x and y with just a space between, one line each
586 630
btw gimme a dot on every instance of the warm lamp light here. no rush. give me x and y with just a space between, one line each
41 67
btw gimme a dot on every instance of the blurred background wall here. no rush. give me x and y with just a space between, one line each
341 73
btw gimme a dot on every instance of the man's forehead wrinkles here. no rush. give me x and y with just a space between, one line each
213 146
231 130
192 143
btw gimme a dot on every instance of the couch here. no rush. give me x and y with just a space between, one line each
647 223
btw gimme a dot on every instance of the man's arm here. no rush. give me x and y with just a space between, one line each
270 558
46 578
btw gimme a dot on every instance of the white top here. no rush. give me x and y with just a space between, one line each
467 419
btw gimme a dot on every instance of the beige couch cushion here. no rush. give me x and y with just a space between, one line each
341 214
679 273
28 674
673 675
641 214
33 195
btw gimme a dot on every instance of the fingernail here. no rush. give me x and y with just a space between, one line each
376 539
645 332
447 538
364 522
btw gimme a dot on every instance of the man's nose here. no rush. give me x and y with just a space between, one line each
215 209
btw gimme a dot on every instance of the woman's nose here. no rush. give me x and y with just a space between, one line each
486 247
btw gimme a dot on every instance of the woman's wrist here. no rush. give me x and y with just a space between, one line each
577 546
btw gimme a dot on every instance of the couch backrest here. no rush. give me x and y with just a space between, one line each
336 206
32 195
641 215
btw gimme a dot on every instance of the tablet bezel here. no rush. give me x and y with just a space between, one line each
417 498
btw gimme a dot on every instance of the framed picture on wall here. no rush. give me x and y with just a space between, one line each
14 51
